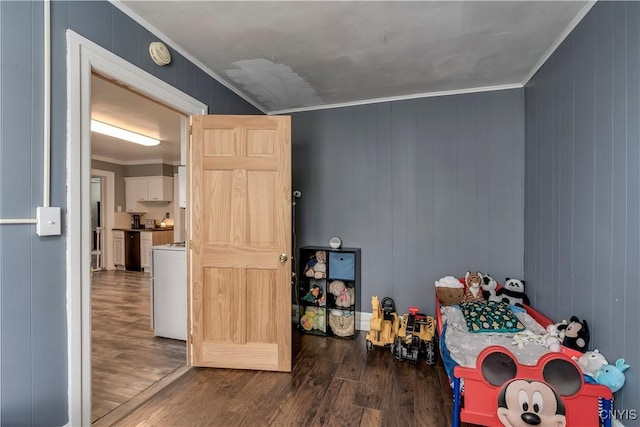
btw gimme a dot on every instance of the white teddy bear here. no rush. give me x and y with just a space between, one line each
591 362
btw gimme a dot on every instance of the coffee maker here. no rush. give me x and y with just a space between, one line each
135 221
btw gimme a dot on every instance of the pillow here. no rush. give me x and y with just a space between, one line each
490 316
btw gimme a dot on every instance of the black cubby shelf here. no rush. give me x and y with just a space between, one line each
329 289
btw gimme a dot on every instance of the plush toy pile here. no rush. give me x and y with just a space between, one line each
476 287
314 318
316 268
594 365
316 271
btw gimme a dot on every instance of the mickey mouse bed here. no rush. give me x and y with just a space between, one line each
503 372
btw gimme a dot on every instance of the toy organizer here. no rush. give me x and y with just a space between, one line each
328 290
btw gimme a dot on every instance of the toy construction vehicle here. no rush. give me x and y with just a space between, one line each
416 338
384 323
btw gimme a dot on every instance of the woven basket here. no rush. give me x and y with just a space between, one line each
342 326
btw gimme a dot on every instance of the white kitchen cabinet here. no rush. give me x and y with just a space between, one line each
135 190
118 248
146 242
160 189
147 189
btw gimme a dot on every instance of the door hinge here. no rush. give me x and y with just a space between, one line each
190 130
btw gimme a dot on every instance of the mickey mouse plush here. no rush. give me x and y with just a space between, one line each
513 292
576 334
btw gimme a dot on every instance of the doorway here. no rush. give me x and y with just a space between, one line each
127 357
97 224
86 57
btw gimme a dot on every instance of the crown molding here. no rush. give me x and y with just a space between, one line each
556 44
106 159
131 14
399 98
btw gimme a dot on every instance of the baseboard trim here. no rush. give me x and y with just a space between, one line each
363 321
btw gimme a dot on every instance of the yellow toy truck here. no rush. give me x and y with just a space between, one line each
384 323
416 337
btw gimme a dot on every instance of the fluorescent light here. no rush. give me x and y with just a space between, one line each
119 133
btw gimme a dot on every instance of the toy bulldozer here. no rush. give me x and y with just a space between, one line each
416 337
384 323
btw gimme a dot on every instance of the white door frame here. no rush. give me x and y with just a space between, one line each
109 208
83 56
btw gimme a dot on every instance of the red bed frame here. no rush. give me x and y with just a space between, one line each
585 404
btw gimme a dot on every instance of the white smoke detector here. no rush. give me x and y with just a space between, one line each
159 53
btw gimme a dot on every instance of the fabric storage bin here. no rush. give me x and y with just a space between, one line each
342 265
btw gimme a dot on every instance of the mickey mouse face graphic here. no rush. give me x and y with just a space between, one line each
530 403
530 395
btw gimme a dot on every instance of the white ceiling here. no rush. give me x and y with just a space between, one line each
118 106
298 55
290 55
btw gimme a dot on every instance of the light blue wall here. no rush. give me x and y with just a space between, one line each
582 203
427 188
33 337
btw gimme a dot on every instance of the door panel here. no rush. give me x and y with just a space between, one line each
261 196
240 210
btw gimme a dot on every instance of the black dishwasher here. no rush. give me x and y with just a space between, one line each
132 250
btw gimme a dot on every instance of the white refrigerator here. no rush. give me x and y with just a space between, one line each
169 292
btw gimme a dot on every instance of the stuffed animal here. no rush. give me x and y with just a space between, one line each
513 292
554 338
343 294
316 268
449 290
474 287
612 375
489 286
314 318
576 334
315 295
591 362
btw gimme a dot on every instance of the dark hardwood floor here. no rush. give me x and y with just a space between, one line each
126 357
334 382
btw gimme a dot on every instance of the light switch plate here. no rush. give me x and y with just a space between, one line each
48 221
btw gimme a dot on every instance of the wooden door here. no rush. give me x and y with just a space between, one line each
240 251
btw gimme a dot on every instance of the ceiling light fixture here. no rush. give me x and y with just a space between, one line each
119 133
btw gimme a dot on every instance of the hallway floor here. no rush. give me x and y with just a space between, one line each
126 357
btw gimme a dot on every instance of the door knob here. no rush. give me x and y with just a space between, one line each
283 258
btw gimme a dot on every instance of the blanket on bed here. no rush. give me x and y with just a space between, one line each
490 316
